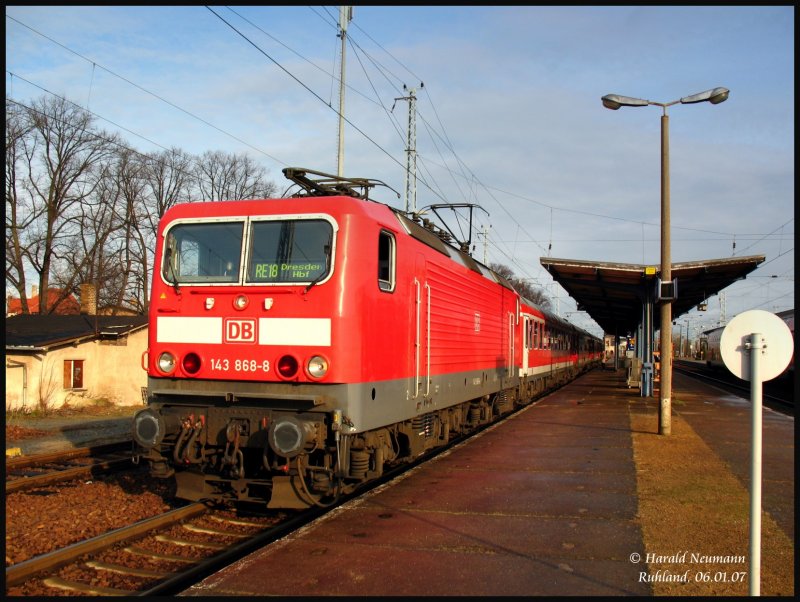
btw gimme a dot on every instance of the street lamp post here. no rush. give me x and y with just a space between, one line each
687 352
614 102
684 344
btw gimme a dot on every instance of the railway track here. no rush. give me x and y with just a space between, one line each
165 554
776 394
161 555
45 469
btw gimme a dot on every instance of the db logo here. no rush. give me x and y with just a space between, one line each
239 331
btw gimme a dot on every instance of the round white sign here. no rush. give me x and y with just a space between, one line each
777 350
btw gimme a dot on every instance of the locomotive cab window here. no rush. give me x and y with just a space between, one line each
386 261
207 252
290 251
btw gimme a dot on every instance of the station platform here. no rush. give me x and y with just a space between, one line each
57 434
545 503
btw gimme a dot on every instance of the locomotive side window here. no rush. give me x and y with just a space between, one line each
203 252
288 251
386 261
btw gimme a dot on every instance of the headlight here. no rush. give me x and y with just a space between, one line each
317 366
148 428
166 362
288 435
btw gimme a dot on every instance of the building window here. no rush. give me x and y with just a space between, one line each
386 261
73 374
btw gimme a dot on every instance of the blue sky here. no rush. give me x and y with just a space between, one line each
509 116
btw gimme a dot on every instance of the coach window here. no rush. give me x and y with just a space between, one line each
386 261
73 374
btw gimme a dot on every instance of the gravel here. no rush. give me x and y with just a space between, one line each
42 520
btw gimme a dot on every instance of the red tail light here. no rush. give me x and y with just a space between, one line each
191 363
288 366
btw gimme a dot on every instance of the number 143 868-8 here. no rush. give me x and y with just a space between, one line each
225 365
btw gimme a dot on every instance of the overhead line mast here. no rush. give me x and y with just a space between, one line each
411 149
345 16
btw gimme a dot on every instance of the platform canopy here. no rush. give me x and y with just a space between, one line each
613 293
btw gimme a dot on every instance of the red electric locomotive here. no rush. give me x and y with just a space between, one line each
297 345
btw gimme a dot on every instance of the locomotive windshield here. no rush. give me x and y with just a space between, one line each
279 252
289 250
203 252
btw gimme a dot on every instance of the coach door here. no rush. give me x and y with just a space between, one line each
421 352
527 345
511 341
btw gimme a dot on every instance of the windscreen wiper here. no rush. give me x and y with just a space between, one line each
324 272
174 276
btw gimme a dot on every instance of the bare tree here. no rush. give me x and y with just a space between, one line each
523 287
82 207
103 254
55 176
131 246
223 176
90 258
168 179
19 214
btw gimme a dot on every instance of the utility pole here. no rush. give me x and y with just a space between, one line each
345 16
411 150
558 306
